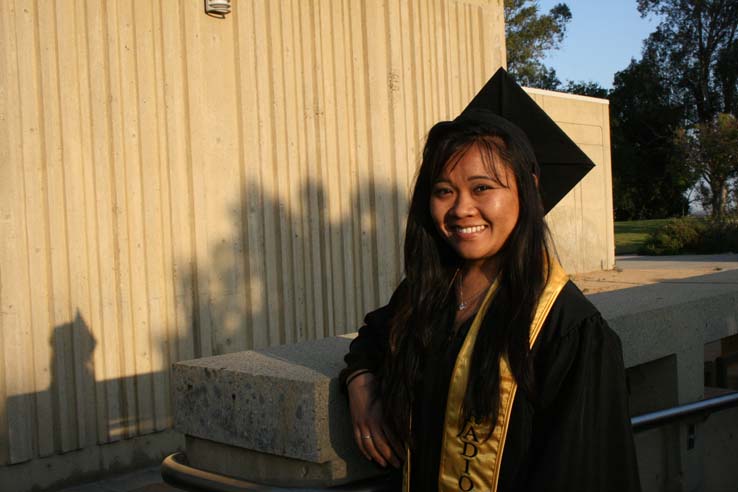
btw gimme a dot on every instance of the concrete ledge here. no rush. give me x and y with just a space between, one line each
675 316
664 327
284 403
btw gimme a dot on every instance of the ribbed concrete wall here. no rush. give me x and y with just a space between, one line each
174 186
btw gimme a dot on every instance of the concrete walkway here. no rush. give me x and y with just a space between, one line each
630 271
633 271
726 261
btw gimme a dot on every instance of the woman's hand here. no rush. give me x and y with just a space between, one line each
372 437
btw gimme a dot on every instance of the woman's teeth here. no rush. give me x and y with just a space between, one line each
469 230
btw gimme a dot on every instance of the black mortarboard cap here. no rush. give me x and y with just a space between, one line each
562 163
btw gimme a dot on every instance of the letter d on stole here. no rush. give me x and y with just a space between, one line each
472 448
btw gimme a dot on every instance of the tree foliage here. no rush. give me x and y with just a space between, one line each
685 78
695 47
582 88
649 177
711 150
530 34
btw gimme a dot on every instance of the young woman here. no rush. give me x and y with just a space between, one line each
488 369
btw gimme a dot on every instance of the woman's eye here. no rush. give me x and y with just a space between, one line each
482 187
439 192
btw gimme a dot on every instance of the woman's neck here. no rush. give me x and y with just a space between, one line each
472 282
479 273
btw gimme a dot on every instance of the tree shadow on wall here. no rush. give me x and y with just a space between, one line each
294 267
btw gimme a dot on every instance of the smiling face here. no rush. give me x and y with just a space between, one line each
474 205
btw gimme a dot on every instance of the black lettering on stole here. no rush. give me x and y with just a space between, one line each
469 452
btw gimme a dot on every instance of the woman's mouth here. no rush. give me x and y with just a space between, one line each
469 229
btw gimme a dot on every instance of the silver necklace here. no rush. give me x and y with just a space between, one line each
465 304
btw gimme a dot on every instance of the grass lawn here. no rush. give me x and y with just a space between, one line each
630 234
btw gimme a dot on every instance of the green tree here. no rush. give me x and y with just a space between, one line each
529 35
650 178
696 50
695 47
711 149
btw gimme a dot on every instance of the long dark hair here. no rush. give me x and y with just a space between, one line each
425 300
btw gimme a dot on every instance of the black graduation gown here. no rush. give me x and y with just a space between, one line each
576 437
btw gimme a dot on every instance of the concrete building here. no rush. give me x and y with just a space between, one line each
174 186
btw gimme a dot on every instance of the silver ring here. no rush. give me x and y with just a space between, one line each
366 437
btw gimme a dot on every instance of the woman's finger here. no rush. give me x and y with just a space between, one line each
384 447
368 439
395 442
360 443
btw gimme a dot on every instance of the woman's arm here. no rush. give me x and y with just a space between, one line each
368 349
363 362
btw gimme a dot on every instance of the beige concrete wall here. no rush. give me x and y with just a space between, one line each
174 186
582 223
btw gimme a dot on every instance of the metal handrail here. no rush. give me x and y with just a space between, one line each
176 471
702 408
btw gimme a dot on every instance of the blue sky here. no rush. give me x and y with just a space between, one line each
601 38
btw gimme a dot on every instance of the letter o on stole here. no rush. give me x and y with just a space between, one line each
465 483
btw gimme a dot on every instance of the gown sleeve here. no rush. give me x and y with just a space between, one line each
583 440
368 349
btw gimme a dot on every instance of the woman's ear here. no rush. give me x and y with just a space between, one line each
535 178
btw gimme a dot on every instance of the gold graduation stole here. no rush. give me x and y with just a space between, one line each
470 460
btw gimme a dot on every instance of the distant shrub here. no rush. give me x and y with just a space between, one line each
719 237
689 235
674 237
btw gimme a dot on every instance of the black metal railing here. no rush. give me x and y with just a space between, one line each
697 409
176 471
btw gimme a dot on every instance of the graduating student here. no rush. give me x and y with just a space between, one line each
489 369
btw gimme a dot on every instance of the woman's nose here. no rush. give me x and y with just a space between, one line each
463 205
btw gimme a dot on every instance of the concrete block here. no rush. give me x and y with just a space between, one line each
279 471
283 402
673 317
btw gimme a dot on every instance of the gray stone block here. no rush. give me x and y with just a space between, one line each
672 317
284 402
269 469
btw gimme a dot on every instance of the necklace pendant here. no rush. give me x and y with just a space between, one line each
461 306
